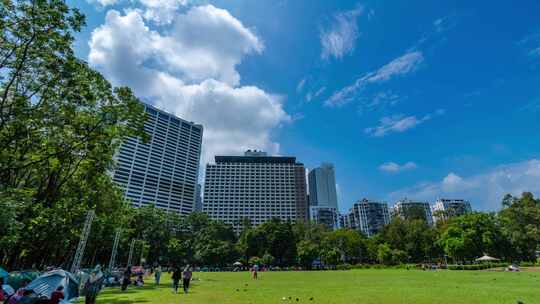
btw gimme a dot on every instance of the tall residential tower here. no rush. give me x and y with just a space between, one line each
255 187
323 206
162 172
366 216
407 209
446 208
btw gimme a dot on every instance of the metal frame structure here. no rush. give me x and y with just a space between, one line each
82 242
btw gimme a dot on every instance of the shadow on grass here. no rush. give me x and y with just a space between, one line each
122 301
113 295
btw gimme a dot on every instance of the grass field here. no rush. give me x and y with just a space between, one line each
341 287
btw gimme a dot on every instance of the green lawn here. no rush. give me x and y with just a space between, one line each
355 286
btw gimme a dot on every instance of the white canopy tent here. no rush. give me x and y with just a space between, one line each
487 258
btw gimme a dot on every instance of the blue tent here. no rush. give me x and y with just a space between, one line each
46 283
16 278
3 273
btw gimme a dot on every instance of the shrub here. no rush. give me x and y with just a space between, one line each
344 267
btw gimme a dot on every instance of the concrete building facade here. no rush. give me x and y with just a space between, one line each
446 208
164 171
323 205
256 187
408 209
368 217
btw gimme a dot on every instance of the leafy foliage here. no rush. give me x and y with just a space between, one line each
60 125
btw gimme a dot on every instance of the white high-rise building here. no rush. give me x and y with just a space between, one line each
255 187
164 171
368 217
323 205
408 209
446 208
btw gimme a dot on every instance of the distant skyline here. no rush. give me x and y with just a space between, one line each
416 99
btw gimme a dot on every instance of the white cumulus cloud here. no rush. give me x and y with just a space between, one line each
405 64
339 39
103 3
393 167
484 190
161 11
190 70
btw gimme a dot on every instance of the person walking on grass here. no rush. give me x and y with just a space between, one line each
177 274
92 287
157 274
127 278
186 278
255 271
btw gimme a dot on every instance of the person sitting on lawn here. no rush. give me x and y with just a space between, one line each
140 280
57 295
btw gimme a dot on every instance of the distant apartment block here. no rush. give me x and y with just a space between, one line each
407 209
366 216
257 187
323 206
162 172
446 208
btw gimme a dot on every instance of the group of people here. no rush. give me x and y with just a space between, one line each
185 275
23 295
10 296
177 274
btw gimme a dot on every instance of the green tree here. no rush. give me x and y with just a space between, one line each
384 254
280 241
520 221
267 259
330 256
349 243
472 235
414 237
308 251
255 260
60 125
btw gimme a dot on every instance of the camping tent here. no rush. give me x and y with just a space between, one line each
3 273
486 258
16 278
45 284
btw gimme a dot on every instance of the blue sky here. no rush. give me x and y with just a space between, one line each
417 99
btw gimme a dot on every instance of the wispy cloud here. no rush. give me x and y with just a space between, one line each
405 64
535 52
393 167
371 14
531 44
399 123
444 24
484 190
300 85
532 107
379 100
297 117
310 95
388 97
339 39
